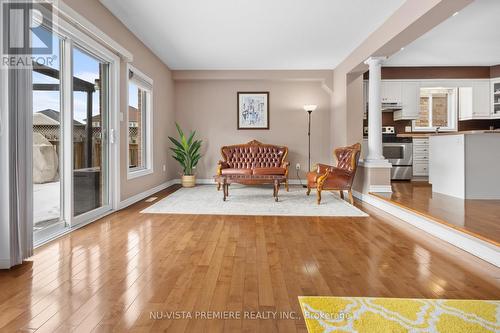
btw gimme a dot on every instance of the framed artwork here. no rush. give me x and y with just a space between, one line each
253 110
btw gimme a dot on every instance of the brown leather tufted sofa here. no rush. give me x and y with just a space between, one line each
254 158
336 178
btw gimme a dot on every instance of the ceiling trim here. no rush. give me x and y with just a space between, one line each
324 77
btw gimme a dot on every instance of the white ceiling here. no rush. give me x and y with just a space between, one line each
252 34
471 38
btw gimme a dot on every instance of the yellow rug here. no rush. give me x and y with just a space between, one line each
365 314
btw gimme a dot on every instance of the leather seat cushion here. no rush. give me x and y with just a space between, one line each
269 171
311 177
233 171
339 180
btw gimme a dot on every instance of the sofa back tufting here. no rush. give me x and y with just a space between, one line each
254 155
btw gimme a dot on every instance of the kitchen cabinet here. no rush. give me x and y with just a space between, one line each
495 98
474 101
465 103
460 166
390 91
410 100
420 157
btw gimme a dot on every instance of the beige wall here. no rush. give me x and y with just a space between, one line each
209 107
163 114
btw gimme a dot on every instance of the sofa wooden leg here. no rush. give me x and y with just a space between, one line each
319 196
351 199
341 194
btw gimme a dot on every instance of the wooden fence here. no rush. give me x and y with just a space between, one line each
79 154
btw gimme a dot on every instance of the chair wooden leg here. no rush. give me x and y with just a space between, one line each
319 195
341 194
286 186
218 186
308 190
351 199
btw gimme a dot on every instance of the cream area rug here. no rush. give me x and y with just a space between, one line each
252 200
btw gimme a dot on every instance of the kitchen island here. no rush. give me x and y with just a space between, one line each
465 164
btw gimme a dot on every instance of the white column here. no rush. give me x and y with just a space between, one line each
375 155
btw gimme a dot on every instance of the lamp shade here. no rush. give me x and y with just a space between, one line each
310 107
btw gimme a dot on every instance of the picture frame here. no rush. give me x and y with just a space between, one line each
253 110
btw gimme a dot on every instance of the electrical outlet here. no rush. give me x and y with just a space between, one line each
297 166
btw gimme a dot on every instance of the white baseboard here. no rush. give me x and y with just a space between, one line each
381 188
468 243
143 195
5 264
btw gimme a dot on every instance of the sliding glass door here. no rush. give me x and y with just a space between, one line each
47 147
90 133
72 122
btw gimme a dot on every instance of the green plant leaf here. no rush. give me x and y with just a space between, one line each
175 142
191 136
194 148
181 134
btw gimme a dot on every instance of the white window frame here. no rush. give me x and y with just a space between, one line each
147 169
452 112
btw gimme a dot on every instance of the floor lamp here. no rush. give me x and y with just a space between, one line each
309 108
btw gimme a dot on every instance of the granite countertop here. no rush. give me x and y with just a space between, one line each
426 135
413 135
467 132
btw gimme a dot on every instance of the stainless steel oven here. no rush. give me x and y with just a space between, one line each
400 154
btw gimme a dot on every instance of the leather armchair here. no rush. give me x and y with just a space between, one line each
336 178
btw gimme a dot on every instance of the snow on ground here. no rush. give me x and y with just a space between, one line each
46 201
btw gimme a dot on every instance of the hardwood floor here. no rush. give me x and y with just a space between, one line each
479 218
109 275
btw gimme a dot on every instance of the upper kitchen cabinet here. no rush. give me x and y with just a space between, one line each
390 91
409 101
495 93
474 101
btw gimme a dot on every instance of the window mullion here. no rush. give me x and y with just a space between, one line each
66 77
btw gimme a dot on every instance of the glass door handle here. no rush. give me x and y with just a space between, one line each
112 136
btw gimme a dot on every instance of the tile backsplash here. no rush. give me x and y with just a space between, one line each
465 125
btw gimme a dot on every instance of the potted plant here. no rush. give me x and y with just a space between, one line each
187 153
